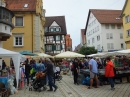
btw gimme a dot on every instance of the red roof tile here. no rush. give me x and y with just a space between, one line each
18 5
105 16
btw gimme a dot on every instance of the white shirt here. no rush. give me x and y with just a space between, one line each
57 69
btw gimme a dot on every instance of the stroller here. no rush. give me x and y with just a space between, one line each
58 76
38 82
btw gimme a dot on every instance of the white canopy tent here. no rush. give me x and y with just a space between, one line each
97 55
68 54
17 58
121 52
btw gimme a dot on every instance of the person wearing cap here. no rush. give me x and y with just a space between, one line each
50 74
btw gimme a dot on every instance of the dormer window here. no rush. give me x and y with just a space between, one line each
26 5
55 29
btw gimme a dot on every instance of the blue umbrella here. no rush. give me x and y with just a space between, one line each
27 53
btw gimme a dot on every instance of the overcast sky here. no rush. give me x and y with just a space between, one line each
76 12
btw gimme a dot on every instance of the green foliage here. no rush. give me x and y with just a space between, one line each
87 50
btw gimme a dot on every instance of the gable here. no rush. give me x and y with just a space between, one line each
54 24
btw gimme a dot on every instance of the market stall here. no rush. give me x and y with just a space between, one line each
17 58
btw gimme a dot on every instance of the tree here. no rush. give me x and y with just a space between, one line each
87 50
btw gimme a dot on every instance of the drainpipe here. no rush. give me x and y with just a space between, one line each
32 32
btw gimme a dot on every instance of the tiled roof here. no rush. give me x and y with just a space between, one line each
18 5
77 48
105 16
60 20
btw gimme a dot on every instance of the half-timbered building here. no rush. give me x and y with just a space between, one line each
55 32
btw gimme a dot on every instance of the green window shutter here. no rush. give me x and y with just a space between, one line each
60 37
53 47
60 47
54 38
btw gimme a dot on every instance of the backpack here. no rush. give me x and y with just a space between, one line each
72 67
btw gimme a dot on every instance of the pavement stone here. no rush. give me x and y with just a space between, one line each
66 88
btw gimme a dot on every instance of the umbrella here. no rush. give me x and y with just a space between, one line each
68 54
42 55
27 53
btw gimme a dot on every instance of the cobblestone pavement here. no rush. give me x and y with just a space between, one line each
66 88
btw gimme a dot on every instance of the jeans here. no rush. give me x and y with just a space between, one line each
27 77
110 79
75 77
51 84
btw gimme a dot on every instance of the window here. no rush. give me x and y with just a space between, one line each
19 21
127 18
109 36
98 37
57 37
49 47
18 40
122 46
88 42
110 46
26 5
128 33
57 47
52 29
93 40
57 29
107 26
121 35
118 26
113 26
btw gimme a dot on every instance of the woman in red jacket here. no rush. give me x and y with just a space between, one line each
109 72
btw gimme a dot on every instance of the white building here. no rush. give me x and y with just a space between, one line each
104 30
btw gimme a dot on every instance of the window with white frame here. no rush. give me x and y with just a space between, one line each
128 33
57 47
109 36
118 26
107 26
113 26
110 46
122 46
18 20
127 18
93 40
49 47
121 35
52 29
18 40
58 37
58 29
88 42
98 37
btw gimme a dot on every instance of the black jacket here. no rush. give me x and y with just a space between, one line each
49 69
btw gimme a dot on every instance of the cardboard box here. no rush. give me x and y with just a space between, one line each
124 79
